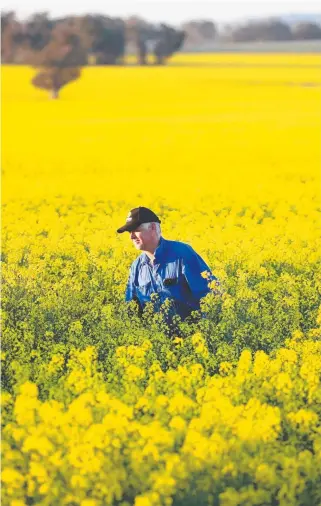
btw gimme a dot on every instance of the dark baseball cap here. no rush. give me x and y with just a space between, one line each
136 217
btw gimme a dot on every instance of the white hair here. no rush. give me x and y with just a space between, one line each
146 226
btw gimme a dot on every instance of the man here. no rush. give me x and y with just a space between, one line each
170 269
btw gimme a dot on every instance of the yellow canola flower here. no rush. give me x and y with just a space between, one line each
12 477
40 444
134 373
180 404
257 422
38 471
29 389
225 367
304 419
79 481
143 501
199 344
265 474
56 363
178 423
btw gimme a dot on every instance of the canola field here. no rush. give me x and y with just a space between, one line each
102 407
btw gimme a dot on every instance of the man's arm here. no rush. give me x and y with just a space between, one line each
197 274
131 292
130 288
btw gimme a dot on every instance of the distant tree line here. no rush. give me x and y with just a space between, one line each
105 40
102 40
251 31
271 30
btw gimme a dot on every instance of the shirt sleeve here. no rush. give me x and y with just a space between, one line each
197 274
130 288
131 291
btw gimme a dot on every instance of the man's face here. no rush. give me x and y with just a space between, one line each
141 238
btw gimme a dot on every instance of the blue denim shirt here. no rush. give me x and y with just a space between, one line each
175 274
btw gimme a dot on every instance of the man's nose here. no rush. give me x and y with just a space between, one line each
132 235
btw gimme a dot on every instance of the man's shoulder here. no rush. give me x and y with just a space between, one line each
179 247
172 248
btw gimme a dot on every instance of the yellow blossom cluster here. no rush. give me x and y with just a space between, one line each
187 434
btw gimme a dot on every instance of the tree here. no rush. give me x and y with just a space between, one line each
20 39
10 31
199 31
161 40
59 61
169 41
307 31
207 29
102 37
265 30
38 31
140 33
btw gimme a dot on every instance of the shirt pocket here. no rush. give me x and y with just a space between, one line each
144 291
171 286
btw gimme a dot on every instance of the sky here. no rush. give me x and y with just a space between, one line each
171 11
